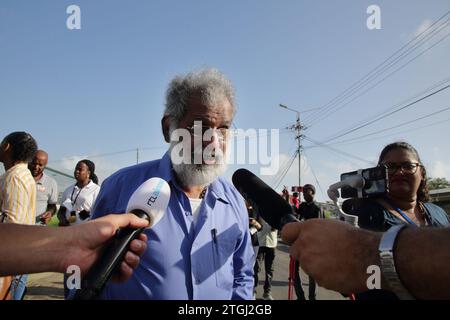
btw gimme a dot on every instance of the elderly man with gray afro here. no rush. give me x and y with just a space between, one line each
201 248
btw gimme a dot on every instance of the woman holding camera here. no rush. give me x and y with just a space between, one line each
405 203
407 199
78 199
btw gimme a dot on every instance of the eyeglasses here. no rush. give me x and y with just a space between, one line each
408 168
199 131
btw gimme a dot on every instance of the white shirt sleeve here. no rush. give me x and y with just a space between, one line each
66 194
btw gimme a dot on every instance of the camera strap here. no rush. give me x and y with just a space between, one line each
76 197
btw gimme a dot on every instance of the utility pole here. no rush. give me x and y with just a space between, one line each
298 128
137 155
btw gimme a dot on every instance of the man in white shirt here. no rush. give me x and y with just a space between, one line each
268 240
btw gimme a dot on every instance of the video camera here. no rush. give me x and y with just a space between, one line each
361 184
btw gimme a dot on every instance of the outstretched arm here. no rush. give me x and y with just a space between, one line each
337 255
37 249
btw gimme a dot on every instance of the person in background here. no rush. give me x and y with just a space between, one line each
78 199
46 188
17 192
254 227
295 201
407 201
308 209
268 240
285 194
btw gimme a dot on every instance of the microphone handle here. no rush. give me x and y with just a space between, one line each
100 273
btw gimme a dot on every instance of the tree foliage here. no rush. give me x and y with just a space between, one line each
438 183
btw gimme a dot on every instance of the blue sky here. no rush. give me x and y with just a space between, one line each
100 90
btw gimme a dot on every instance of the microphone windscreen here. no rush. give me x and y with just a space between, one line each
270 205
152 197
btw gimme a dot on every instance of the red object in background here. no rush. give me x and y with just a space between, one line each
291 278
295 202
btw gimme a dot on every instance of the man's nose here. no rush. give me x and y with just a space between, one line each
212 138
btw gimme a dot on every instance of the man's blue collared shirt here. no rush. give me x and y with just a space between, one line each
209 259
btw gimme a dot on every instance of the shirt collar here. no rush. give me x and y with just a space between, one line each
217 190
88 186
42 179
167 173
19 166
165 168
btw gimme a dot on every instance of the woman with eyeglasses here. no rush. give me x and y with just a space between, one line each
407 201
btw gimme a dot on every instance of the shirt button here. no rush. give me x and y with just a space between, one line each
187 213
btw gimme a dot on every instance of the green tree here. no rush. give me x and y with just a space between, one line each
438 183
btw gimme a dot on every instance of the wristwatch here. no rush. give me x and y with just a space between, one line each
386 249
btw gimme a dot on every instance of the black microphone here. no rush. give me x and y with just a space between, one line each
271 206
149 202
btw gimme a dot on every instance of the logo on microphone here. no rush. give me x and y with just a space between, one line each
155 194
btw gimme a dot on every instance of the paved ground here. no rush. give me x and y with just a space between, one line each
49 286
45 286
280 282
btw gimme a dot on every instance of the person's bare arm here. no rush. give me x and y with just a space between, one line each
422 259
337 255
37 249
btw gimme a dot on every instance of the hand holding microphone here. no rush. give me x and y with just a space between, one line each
148 202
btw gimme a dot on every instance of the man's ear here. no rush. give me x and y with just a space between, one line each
165 126
5 146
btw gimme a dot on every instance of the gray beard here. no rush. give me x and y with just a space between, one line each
192 175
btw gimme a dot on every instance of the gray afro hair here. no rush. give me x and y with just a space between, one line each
209 84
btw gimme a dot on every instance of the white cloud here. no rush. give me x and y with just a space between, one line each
103 168
439 169
422 27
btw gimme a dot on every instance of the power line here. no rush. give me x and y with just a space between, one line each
337 150
396 126
379 82
357 140
106 154
59 172
368 75
281 172
385 68
314 174
345 158
386 115
434 86
287 170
